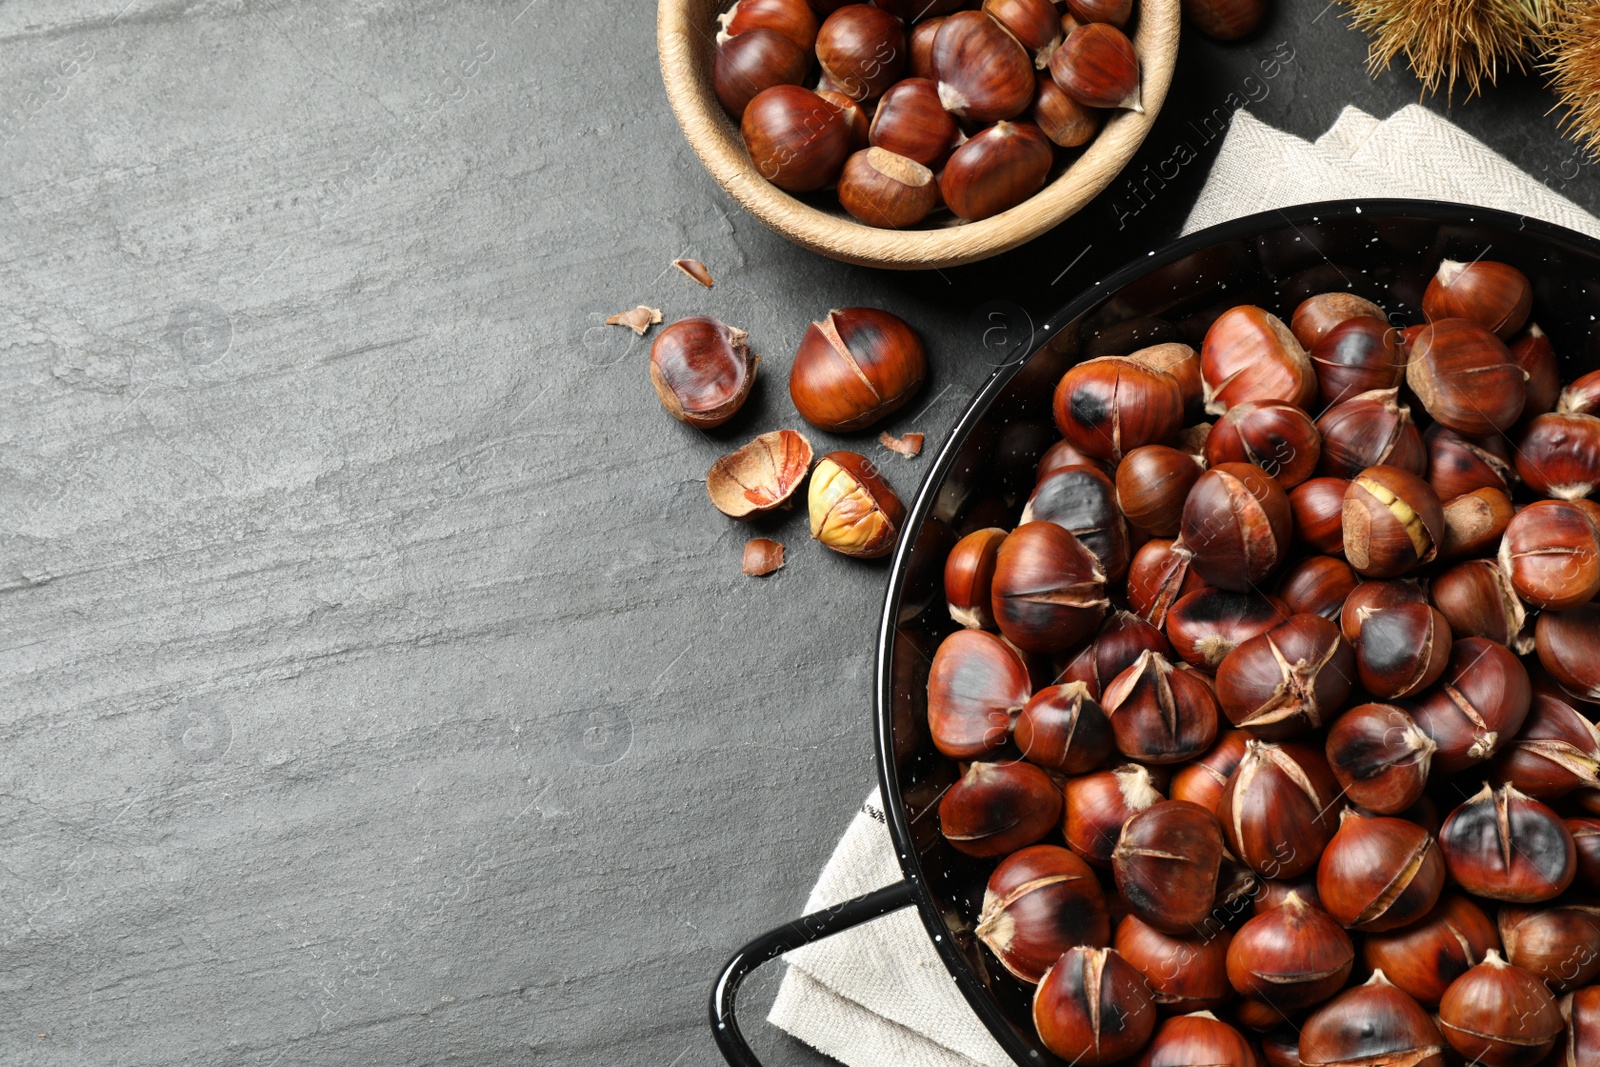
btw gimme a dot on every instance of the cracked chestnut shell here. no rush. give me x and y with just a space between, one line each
1249 354
1093 1008
1064 729
1465 377
1477 600
1559 943
1039 903
1186 973
1556 751
1099 804
1393 521
1369 430
1290 957
1159 715
761 476
977 686
1206 625
1203 780
1424 958
1499 1015
1118 645
1495 296
1107 407
1551 553
1504 845
1159 576
1083 500
1048 589
1458 464
702 370
1277 437
1380 757
1277 808
1379 873
853 510
854 367
1237 524
1166 865
1357 356
994 809
1403 650
1373 1023
1479 703
1287 680
1199 1038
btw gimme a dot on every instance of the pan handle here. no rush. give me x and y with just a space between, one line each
774 943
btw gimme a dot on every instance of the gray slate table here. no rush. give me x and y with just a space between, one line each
378 685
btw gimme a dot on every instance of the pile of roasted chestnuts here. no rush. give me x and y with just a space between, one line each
1277 727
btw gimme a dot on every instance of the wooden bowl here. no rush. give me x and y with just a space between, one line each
686 32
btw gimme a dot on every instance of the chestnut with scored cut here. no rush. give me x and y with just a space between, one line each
1290 957
1166 865
1062 728
854 367
1379 873
1237 524
977 686
1092 1008
1477 600
1499 1015
1380 757
1205 626
1277 808
1160 575
1368 430
1495 296
1288 680
997 808
1099 804
1504 845
853 510
1039 903
1569 648
1556 751
1403 650
1357 356
1372 1024
1580 1042
1459 464
1183 363
1559 944
1249 354
1110 406
1159 715
1479 703
969 577
1202 780
1048 590
1374 596
1424 958
1551 553
1083 501
1393 521
1465 377
702 370
1115 648
1277 437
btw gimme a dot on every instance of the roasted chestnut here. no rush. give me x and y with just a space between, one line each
1064 729
1403 650
1280 1046
1116 12
1237 524
1458 464
997 808
1093 1008
702 370
969 577
855 118
984 73
1249 354
1203 780
1279 438
1193 1040
1556 751
885 190
1504 845
1099 804
1166 865
853 510
1159 715
797 140
862 50
1494 296
1063 454
1585 831
1559 943
1475 522
1159 576
1288 680
1559 455
1318 510
755 60
1499 1015
1206 625
1477 600
1392 522
1357 356
998 168
1465 377
1290 957
854 367
1425 957
1083 501
1580 1045
1373 1023
1097 66
1183 363
1532 351
976 689
1318 585
1370 597
1153 481
1108 407
1273 892
1582 395
1379 873
1316 316
1048 589
1118 645
1039 903
1569 648
1380 757
1368 430
1551 553
1479 703
1277 808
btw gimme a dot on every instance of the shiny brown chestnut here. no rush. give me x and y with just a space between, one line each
1153 481
854 367
755 60
1551 553
1066 122
1479 703
1063 454
1277 808
1099 804
1474 523
1183 363
1205 626
998 168
1316 316
702 370
1159 576
1504 845
1122 638
1393 521
1196 1039
1116 12
793 18
994 809
1568 643
1290 957
1166 865
1277 437
1064 729
1465 377
1495 296
1097 66
1556 751
977 686
1477 600
1458 464
1249 354
1083 500
1039 903
1288 680
909 121
1580 1042
797 140
1048 589
1499 1015
1159 715
1370 597
1203 780
1110 406
1035 23
1380 757
1403 650
1582 396
855 118
1373 1023
1424 958
1368 430
885 190
1532 351
1318 585
853 510
1317 507
1273 892
969 578
984 74
1357 356
1559 455
1225 20
1559 943
1379 873
1237 524
1280 1046
1093 1008
862 50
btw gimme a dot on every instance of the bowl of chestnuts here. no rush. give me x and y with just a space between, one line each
914 134
1239 673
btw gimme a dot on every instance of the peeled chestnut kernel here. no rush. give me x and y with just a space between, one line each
1288 680
854 367
1477 600
1205 626
1559 455
1183 363
1225 20
1317 507
1480 702
792 18
1084 501
1393 521
1424 958
1551 553
1316 316
1065 121
1504 845
1092 1008
1379 873
1458 464
1048 590
1494 296
1499 1015
998 168
761 476
1153 481
1159 715
1099 804
1185 973
1318 585
997 808
797 140
1380 757
1195 1040
885 190
1249 354
1532 351
1556 751
1097 66
1559 944
1277 808
1403 650
862 50
853 510
1371 1024
1166 865
1465 377
909 121
984 73
1237 524
1370 597
1290 957
1063 728
702 370
1369 430
1569 648
1122 639
969 577
755 60
1110 406
1035 23
976 688
1158 577
1357 356
1203 780
1277 437
1039 903
1475 522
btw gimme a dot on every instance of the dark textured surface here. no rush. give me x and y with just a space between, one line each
379 686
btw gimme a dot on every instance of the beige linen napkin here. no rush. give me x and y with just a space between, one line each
878 995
